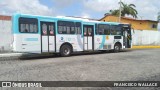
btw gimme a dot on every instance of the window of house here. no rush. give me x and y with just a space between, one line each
154 26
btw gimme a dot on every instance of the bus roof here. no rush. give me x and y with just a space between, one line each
67 18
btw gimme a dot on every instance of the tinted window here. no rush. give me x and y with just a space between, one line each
67 27
51 29
88 30
28 25
116 30
103 29
85 31
78 28
44 29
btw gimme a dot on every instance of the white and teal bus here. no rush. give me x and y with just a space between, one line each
43 34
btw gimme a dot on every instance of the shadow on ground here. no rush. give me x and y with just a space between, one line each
47 56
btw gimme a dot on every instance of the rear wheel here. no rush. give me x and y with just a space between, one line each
65 50
117 48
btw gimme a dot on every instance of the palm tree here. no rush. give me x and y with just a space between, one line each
114 12
126 10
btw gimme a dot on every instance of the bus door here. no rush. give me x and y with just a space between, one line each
88 31
127 37
47 37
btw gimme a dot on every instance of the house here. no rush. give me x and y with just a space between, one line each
136 24
6 18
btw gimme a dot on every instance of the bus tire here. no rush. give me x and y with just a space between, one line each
103 51
65 50
117 48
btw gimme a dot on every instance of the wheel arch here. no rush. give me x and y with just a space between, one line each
67 43
118 43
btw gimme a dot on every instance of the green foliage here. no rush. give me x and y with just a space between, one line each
126 9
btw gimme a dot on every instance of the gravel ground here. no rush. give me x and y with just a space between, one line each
131 65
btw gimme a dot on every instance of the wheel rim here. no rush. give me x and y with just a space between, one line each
66 51
117 48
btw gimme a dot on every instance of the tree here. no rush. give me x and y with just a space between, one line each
126 9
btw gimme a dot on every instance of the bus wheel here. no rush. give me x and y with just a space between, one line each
65 50
117 48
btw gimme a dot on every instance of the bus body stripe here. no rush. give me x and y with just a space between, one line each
103 41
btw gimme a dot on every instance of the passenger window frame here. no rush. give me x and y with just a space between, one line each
28 21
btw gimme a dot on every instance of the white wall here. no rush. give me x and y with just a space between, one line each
159 26
5 35
146 37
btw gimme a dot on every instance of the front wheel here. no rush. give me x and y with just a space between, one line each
65 50
117 48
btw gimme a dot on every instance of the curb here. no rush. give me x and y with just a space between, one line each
145 47
18 56
21 56
10 56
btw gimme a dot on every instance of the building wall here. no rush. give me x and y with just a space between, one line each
136 24
150 24
145 37
110 19
5 35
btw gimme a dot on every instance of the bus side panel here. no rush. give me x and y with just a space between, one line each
29 43
99 40
75 40
17 43
109 43
104 42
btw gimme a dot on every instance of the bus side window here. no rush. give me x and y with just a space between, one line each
113 29
44 29
90 31
60 29
68 30
26 30
66 27
22 28
116 30
73 30
28 25
78 28
51 29
85 31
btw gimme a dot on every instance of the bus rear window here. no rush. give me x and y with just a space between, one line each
28 25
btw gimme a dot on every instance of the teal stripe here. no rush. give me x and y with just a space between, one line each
103 41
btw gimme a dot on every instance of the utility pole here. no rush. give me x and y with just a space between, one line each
120 11
158 21
158 17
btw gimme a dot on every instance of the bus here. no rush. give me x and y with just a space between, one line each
64 35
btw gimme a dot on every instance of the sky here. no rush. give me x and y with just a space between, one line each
95 9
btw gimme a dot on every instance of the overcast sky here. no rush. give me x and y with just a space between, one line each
147 9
